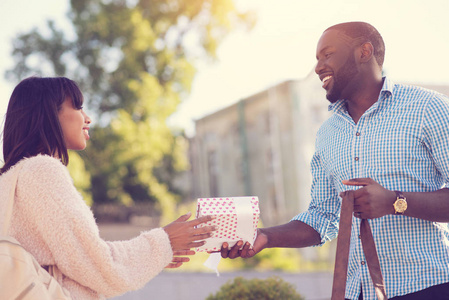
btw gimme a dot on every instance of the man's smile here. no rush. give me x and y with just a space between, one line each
326 81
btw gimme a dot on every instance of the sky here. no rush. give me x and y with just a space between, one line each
280 47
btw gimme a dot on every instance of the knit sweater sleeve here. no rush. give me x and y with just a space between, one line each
57 215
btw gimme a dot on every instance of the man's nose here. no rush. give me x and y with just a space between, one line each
318 67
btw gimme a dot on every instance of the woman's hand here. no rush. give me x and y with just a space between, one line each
183 234
178 260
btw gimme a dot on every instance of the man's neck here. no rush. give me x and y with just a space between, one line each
364 98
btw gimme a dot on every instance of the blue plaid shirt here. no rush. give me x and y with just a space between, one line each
402 143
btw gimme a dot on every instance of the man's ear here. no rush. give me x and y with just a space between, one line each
366 52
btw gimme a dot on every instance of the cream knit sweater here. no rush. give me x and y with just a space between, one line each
51 221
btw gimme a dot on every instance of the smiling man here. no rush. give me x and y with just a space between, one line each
389 143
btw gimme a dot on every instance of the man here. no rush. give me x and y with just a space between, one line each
389 137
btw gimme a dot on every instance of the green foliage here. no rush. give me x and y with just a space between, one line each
135 62
81 177
287 260
273 288
284 259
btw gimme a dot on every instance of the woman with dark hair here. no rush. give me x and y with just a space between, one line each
50 219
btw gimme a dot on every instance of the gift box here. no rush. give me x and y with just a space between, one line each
236 219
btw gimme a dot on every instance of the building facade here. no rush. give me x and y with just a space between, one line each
262 146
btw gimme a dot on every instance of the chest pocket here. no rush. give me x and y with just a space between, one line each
386 150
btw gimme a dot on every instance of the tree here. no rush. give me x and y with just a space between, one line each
135 62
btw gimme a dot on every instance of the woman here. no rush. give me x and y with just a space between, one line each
50 219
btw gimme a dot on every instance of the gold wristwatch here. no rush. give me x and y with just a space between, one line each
400 205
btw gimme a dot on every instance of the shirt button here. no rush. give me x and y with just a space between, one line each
357 133
356 159
360 236
363 263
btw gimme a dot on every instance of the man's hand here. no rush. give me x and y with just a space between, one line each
247 251
294 234
372 200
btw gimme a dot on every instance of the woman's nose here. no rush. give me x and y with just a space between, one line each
87 119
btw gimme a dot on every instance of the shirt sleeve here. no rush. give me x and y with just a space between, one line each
323 213
57 215
436 134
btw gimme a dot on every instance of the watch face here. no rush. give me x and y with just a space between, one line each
400 205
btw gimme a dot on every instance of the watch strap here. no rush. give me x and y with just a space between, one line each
399 195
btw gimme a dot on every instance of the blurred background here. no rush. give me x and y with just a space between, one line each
205 98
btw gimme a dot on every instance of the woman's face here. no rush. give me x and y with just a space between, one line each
75 126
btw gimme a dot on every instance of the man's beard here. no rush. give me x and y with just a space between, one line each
341 79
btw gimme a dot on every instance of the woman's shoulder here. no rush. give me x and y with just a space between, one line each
43 175
42 168
40 162
32 165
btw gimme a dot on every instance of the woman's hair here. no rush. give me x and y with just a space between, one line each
32 125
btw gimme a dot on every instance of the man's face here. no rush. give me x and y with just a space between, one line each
336 65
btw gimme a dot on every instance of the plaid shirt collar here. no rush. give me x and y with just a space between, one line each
386 91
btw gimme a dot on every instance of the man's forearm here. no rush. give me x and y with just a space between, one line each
431 206
294 234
